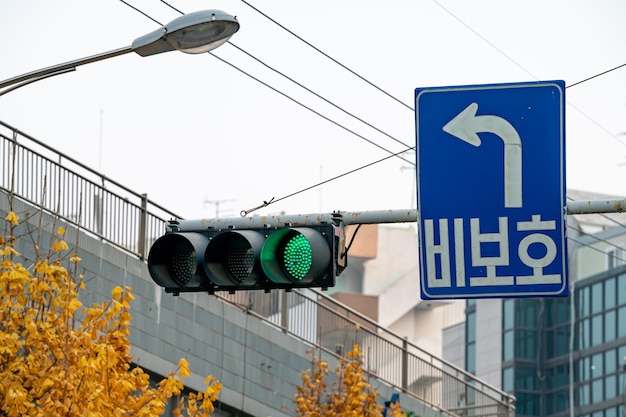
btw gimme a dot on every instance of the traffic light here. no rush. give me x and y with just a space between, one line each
244 259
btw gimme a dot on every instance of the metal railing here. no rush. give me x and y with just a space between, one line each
60 185
63 186
327 324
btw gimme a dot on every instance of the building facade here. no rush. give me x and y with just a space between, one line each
559 356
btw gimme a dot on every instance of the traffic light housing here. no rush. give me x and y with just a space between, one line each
245 259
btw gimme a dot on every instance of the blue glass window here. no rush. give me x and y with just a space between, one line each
609 326
621 289
583 394
596 297
621 321
596 330
584 334
583 302
610 389
610 364
609 293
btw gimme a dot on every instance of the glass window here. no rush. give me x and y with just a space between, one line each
597 362
525 344
562 314
609 326
621 321
584 369
509 308
584 334
551 343
507 380
597 390
550 403
610 364
507 351
610 412
526 379
562 340
562 398
621 357
562 376
609 293
621 289
596 330
583 394
615 257
527 404
596 297
583 302
526 313
610 389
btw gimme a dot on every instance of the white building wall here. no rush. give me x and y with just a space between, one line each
489 341
397 256
453 348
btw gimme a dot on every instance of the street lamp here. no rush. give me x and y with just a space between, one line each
192 33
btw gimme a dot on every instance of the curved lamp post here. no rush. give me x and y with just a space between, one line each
192 33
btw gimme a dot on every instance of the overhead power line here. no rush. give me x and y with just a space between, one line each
392 154
328 56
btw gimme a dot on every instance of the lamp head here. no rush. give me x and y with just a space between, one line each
193 33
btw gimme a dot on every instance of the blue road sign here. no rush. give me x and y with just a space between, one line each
491 190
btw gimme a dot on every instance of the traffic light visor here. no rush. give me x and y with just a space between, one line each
232 257
295 255
175 260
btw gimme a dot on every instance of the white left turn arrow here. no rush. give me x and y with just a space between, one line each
466 126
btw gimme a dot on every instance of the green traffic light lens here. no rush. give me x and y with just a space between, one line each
297 257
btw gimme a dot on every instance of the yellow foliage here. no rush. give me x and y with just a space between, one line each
349 395
12 218
58 358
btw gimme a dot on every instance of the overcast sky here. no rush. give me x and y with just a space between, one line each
192 130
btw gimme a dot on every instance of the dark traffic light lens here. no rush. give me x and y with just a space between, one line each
297 257
239 263
182 264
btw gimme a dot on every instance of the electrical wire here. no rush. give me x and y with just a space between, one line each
367 81
598 239
501 52
596 76
593 247
327 56
318 95
396 154
143 13
275 200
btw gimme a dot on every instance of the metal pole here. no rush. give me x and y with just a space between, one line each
362 217
62 68
284 311
405 364
597 206
143 226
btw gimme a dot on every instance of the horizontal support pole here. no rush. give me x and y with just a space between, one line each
597 206
361 217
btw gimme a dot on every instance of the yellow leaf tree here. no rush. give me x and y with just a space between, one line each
59 358
349 395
